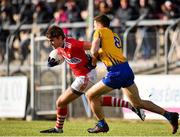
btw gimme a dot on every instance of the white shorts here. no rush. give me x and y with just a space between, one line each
82 83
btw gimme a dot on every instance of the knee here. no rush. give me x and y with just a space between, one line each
59 103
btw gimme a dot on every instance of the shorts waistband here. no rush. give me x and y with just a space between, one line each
116 67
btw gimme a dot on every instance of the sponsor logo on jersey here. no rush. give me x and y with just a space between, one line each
67 44
73 60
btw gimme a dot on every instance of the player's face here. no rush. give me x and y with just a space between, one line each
97 25
56 42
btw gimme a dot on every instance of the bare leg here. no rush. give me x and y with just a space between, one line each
93 95
65 98
172 117
133 94
61 104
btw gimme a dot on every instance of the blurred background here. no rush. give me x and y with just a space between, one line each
149 30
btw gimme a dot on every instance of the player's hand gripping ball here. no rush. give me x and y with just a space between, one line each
55 58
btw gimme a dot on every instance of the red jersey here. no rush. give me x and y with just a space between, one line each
74 54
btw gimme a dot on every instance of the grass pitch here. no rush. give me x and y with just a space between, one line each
78 127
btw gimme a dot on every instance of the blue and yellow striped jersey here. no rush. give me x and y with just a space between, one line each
110 52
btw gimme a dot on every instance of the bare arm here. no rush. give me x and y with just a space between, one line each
94 50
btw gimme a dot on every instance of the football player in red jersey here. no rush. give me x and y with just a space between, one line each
74 54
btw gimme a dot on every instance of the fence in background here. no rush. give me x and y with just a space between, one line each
38 71
48 83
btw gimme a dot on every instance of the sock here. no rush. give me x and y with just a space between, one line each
61 115
167 115
101 123
115 102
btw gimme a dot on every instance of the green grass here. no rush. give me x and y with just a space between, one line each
78 127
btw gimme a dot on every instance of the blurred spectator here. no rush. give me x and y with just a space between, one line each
26 13
24 45
146 34
61 16
17 4
17 7
120 11
96 7
125 13
145 9
110 4
3 36
113 5
156 8
73 11
105 9
43 13
169 10
6 13
6 19
74 15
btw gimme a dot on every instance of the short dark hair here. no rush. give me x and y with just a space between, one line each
103 19
54 31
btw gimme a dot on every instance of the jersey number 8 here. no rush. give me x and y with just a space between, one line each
117 42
